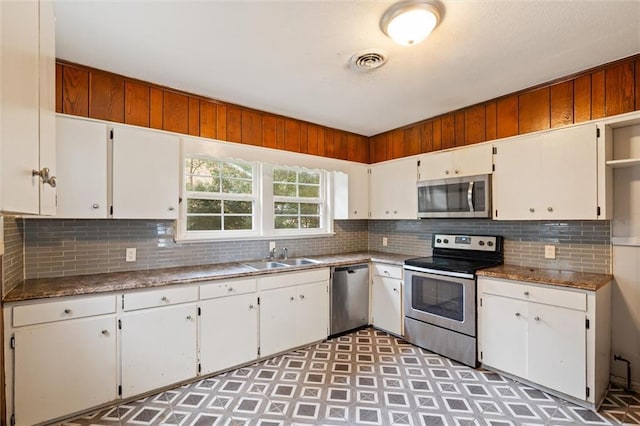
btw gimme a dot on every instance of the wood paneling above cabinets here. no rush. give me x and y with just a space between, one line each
608 90
87 92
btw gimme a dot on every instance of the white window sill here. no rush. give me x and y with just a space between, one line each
202 239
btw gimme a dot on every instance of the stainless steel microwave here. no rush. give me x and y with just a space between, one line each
468 196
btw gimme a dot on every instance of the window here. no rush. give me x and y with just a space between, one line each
219 195
297 199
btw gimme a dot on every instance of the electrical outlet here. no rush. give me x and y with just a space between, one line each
549 252
130 255
272 245
385 241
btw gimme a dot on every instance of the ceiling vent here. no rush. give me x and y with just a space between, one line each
368 60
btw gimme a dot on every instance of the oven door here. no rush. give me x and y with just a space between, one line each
440 300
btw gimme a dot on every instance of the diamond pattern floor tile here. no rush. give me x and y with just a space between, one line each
364 378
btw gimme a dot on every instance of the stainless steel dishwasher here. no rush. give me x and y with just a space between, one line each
349 298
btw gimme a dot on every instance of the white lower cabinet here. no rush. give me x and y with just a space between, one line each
386 295
228 332
294 310
61 366
551 336
158 347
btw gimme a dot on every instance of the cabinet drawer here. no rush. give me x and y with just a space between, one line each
547 295
162 297
226 288
63 310
279 280
386 270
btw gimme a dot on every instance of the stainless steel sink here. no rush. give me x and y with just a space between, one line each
260 264
301 262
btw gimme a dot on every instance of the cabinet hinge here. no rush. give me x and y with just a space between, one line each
598 211
199 368
496 212
13 420
597 136
495 150
119 390
587 323
258 350
123 301
179 200
493 167
12 342
481 302
418 163
480 355
588 391
258 300
199 311
111 134
119 324
111 210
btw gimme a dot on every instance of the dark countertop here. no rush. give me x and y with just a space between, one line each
43 288
570 279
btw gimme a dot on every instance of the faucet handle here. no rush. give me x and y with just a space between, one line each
285 253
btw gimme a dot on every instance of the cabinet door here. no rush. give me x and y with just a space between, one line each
568 176
312 313
228 332
393 190
386 307
517 188
503 334
277 320
64 367
19 109
145 174
438 165
158 348
557 349
473 160
359 192
82 168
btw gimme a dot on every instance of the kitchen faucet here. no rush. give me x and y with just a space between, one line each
272 253
285 253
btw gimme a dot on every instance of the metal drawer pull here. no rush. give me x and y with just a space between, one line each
251 306
549 209
105 332
189 317
395 289
532 210
517 314
171 209
67 311
230 289
95 206
302 296
165 299
292 298
526 293
537 318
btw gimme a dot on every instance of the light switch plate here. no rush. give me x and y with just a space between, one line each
130 255
272 245
385 241
549 252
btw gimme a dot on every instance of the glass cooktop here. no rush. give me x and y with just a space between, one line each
465 266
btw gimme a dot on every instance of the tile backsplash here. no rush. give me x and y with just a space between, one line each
582 246
55 247
12 262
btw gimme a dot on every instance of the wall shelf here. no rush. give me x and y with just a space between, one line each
627 162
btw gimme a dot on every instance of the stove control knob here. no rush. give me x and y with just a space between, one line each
480 243
490 243
446 241
438 241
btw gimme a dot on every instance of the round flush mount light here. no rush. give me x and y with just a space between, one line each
409 22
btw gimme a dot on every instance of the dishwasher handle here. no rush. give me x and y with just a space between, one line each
351 269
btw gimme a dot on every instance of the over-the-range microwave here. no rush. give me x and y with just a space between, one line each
459 197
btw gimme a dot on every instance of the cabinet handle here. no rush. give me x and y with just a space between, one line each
457 171
446 172
537 318
549 209
386 212
385 272
517 314
171 209
44 175
251 306
189 317
230 289
292 298
355 212
395 212
165 299
395 289
95 206
302 296
526 293
532 210
67 311
105 332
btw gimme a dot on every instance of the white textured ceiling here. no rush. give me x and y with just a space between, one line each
292 57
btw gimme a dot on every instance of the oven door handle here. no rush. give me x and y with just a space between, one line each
470 196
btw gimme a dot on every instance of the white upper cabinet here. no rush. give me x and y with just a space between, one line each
146 174
27 105
467 161
351 193
547 176
82 168
393 190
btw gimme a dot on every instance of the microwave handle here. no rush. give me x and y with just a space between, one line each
470 196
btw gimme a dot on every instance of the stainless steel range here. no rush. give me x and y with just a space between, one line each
440 294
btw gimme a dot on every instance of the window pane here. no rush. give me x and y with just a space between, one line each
202 183
309 191
235 186
309 177
309 222
197 166
285 208
238 222
284 190
195 205
238 207
204 223
233 170
283 175
308 208
286 222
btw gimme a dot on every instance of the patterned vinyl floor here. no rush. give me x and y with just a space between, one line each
363 378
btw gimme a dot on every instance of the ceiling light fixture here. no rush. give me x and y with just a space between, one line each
410 22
